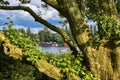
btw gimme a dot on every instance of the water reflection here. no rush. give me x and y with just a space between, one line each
55 50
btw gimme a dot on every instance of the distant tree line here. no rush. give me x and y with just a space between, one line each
44 35
32 36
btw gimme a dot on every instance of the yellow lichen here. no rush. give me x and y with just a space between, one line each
2 37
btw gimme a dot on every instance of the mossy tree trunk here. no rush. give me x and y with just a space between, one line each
101 57
104 60
52 72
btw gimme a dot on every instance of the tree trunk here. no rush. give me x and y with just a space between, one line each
100 57
70 9
116 58
104 60
16 53
69 42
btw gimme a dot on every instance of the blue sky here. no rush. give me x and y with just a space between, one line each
24 20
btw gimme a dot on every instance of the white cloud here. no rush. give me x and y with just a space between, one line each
3 12
33 29
47 14
13 2
16 14
33 7
36 30
37 2
23 15
91 23
19 27
1 27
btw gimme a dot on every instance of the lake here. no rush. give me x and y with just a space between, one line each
55 50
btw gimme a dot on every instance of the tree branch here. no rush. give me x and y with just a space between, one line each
41 20
34 15
52 3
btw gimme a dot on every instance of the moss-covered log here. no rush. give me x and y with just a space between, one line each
43 66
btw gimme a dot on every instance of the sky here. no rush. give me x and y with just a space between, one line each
24 20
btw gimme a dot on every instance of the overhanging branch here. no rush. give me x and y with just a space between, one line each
33 14
41 20
52 3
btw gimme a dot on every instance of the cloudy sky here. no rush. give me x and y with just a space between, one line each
24 20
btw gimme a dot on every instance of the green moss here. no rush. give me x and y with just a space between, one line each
11 69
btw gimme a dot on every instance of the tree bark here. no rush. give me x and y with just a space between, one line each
100 63
116 58
70 10
16 53
99 58
102 59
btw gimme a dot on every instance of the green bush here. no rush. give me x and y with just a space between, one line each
70 65
11 69
30 49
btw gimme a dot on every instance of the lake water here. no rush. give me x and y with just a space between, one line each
55 50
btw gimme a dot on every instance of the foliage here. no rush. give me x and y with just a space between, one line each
118 5
15 70
2 2
70 65
11 69
34 55
31 51
32 36
46 35
108 28
16 37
